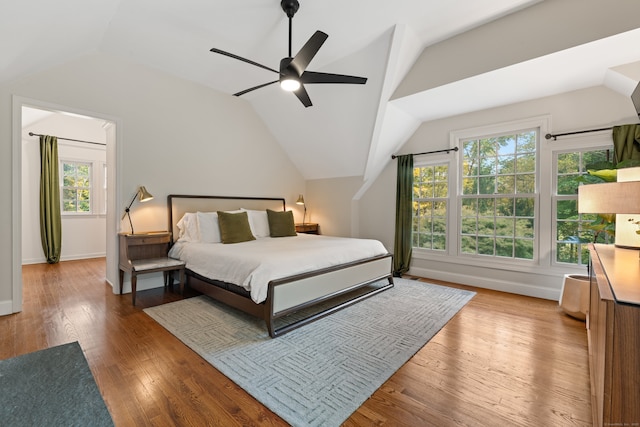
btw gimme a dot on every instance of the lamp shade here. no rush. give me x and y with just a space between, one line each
300 200
144 194
610 198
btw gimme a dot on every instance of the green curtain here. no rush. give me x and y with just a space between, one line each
50 223
626 142
404 209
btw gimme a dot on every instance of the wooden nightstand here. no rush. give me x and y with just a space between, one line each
307 227
147 253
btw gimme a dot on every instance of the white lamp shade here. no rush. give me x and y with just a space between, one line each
621 198
610 198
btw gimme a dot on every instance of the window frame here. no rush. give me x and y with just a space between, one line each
97 187
433 161
582 143
76 163
541 223
497 196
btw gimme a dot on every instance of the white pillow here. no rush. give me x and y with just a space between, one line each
259 223
208 227
188 228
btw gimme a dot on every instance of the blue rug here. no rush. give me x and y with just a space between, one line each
52 387
319 374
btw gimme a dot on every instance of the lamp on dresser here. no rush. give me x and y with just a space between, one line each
621 198
143 196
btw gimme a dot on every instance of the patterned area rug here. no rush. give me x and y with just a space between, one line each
52 387
319 374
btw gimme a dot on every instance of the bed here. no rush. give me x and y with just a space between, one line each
274 277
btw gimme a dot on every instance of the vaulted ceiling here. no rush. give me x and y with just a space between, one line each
410 51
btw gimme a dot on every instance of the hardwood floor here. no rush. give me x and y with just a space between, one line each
503 360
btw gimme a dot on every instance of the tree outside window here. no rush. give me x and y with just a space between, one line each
430 206
573 230
498 195
76 187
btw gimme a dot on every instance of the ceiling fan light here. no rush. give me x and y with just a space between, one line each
290 84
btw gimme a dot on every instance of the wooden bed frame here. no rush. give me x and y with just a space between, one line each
290 294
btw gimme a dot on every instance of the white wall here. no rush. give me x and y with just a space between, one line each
330 203
82 236
585 109
174 137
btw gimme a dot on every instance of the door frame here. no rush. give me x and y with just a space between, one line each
114 189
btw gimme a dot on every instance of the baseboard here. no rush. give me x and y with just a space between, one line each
43 260
485 283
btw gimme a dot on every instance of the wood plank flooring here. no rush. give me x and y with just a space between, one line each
503 360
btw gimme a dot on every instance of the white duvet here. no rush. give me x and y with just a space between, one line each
253 264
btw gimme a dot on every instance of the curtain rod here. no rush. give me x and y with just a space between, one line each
393 156
555 136
69 139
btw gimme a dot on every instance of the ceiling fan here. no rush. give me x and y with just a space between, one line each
293 70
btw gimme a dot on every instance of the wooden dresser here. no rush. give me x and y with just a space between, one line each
613 329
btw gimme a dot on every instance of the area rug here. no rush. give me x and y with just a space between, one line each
319 374
52 387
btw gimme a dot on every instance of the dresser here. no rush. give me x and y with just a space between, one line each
613 330
147 253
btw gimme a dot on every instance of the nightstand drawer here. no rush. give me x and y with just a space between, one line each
307 227
148 239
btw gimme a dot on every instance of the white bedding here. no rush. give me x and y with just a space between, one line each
253 264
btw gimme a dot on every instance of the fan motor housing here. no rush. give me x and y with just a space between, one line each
290 7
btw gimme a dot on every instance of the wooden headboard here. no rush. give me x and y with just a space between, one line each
179 204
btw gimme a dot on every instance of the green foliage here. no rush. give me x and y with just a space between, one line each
76 186
430 194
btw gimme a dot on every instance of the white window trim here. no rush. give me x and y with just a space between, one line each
542 223
582 142
436 160
63 160
97 202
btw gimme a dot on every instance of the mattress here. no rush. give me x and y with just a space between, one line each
252 265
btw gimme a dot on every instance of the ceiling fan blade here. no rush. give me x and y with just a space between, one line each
303 96
254 88
313 77
239 58
308 51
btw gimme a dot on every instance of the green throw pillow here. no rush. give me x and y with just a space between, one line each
234 227
281 223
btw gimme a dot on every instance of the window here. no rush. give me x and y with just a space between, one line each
430 206
498 195
574 231
76 187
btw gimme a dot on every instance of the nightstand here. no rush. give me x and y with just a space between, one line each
308 228
147 253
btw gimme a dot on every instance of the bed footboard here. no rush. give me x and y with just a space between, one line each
294 293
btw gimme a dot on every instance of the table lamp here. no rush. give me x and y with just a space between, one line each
300 201
621 198
144 196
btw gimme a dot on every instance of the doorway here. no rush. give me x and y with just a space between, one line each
85 234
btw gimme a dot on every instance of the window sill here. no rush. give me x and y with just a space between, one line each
522 266
82 215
